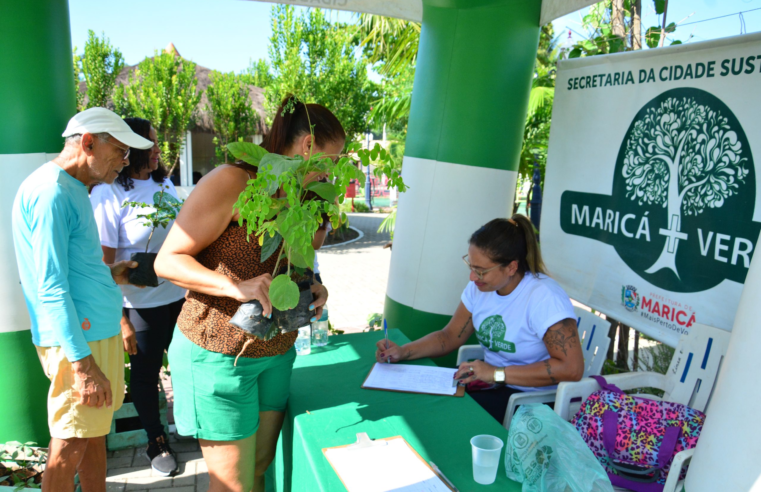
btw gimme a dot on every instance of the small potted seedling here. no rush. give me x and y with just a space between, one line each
166 208
286 226
21 466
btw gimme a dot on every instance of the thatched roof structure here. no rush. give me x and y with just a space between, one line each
203 121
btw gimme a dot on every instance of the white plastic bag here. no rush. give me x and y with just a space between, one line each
546 454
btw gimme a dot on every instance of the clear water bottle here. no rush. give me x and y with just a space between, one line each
320 329
303 346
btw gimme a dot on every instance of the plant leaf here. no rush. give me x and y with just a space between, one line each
303 261
167 200
280 165
325 190
247 152
660 6
270 245
284 293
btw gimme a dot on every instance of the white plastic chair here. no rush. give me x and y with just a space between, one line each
593 333
690 380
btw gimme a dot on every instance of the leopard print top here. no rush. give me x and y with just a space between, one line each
205 319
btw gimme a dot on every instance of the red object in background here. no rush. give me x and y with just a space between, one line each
351 190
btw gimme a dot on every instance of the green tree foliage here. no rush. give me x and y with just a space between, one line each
536 133
391 42
316 60
258 74
233 117
100 64
163 91
614 26
391 45
77 62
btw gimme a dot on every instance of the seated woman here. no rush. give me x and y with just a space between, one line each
523 319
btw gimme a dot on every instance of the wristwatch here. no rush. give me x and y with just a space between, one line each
499 375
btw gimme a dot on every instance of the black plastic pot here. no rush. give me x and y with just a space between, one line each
295 318
144 274
249 318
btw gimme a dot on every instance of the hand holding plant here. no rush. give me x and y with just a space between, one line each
166 209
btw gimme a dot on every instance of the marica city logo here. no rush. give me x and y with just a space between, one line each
684 191
629 297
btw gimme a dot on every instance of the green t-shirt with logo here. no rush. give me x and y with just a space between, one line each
511 328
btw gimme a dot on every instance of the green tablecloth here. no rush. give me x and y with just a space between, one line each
328 408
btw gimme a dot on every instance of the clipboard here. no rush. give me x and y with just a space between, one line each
364 441
459 393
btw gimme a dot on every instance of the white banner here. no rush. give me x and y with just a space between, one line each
651 210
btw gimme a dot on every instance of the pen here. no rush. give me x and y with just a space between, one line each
441 475
385 332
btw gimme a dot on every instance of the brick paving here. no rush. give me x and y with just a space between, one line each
356 274
129 470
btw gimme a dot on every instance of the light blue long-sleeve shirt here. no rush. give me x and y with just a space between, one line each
70 293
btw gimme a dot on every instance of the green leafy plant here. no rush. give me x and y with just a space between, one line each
166 209
232 116
26 473
163 91
287 225
319 60
389 224
100 65
374 321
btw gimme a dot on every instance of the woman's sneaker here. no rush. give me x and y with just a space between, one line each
162 458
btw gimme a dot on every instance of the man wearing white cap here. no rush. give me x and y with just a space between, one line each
72 297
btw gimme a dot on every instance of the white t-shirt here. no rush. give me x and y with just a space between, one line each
121 228
510 328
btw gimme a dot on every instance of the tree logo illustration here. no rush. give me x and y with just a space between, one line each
683 197
685 157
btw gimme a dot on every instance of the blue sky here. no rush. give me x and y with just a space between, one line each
226 34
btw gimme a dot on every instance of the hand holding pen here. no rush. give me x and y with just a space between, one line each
394 353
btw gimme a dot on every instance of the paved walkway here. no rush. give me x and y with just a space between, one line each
356 274
129 470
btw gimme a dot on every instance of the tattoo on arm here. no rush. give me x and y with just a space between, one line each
549 371
465 326
442 341
562 336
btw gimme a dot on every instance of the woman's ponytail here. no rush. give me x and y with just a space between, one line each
292 121
508 240
534 262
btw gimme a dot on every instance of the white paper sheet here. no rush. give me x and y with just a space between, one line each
417 379
385 468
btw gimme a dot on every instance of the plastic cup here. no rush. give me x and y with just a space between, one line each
486 453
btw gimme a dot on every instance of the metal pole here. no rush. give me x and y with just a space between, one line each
368 184
536 197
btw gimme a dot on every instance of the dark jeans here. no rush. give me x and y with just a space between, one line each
495 400
153 330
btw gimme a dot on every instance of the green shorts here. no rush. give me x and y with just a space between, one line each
217 401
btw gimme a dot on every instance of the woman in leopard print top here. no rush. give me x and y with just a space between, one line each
208 253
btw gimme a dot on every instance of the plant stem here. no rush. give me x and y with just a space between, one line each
277 263
149 239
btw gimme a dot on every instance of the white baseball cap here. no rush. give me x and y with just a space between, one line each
101 120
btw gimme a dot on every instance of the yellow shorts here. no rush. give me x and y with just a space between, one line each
67 418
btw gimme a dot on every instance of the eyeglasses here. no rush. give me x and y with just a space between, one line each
479 273
126 152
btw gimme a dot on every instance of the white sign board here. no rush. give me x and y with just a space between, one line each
651 210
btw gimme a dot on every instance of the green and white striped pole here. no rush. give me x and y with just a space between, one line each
36 101
470 96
